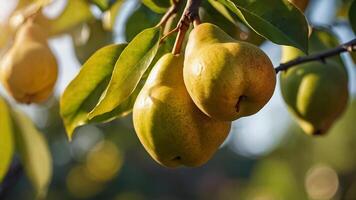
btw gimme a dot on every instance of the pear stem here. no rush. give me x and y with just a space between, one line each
346 47
190 15
171 11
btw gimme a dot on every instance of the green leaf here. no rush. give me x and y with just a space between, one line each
123 109
6 138
34 153
131 65
75 13
84 91
158 6
352 15
222 10
276 20
126 107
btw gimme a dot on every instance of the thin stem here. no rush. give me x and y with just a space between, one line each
190 15
346 47
171 11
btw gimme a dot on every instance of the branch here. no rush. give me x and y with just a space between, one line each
171 11
190 15
346 47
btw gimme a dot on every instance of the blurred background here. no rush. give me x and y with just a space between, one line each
266 157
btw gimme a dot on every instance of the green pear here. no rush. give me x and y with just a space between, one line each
167 122
28 70
227 79
315 93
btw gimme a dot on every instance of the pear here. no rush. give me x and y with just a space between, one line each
315 93
28 70
167 122
227 79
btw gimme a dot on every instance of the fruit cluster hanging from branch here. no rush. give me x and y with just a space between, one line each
186 78
191 95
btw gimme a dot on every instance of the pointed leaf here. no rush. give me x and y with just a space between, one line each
122 110
276 20
131 65
6 138
222 10
84 91
352 15
34 153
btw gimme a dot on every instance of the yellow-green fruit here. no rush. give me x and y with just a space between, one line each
316 93
167 122
301 4
28 70
227 79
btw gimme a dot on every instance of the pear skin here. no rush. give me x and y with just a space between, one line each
28 70
227 79
167 122
315 93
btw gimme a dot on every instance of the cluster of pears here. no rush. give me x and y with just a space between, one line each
28 70
184 111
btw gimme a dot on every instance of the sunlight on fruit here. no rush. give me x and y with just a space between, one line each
104 161
321 182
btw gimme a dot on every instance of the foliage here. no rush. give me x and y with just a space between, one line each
112 76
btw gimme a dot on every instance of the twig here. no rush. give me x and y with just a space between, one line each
190 15
346 47
171 11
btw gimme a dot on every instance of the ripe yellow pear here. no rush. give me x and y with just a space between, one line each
167 122
227 79
315 93
28 70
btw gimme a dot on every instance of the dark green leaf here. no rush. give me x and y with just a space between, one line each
6 138
276 20
131 65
